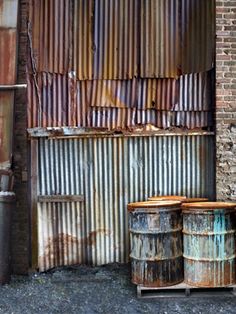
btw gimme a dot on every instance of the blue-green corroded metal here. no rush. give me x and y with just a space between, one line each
156 244
209 246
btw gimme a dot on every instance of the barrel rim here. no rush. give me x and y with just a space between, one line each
167 198
195 200
207 206
153 205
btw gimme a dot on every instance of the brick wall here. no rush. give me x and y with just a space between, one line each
20 226
226 100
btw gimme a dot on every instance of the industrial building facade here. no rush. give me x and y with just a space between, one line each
100 136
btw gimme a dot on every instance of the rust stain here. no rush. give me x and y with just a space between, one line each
57 248
7 56
210 274
123 39
94 235
117 105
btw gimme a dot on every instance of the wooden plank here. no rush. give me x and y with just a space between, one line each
75 132
184 290
60 198
33 203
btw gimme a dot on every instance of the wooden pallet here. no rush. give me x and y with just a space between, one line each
184 290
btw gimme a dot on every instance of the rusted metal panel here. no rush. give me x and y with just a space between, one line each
61 234
111 172
59 100
8 35
156 246
177 37
160 38
122 39
209 244
6 128
8 56
106 38
50 24
197 22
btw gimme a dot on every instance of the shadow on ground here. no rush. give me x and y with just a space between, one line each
107 289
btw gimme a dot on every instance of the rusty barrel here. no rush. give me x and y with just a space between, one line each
156 243
182 199
209 244
7 203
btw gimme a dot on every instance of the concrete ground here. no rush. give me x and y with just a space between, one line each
106 289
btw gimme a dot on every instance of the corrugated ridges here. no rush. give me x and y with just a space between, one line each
123 39
197 35
110 173
61 100
51 23
7 56
160 39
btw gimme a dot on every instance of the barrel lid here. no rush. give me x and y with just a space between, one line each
208 206
195 199
167 198
152 205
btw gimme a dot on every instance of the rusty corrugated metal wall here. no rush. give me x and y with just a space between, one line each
123 39
59 100
8 52
109 173
105 67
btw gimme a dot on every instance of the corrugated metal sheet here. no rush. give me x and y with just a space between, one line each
8 36
110 173
123 39
6 127
52 34
61 230
106 31
160 38
197 22
61 100
7 56
177 37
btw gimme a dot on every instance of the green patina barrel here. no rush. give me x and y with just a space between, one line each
156 243
209 244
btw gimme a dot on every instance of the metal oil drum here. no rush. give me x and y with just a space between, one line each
7 204
156 243
209 244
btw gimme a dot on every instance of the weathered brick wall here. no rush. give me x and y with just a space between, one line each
20 224
226 100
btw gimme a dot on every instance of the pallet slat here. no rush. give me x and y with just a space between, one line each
184 290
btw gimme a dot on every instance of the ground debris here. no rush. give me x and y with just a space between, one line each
106 289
